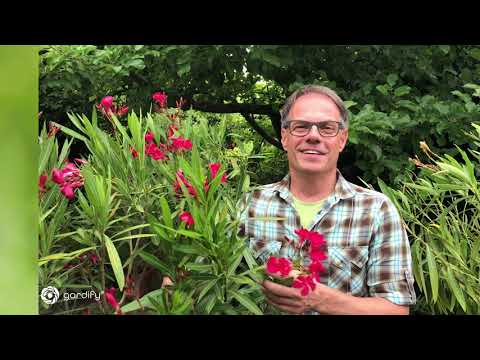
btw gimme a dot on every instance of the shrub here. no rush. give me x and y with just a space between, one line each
441 209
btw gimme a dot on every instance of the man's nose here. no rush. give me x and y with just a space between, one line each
314 133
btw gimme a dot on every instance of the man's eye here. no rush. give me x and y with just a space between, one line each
328 127
301 127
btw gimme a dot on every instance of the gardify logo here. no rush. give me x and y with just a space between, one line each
49 295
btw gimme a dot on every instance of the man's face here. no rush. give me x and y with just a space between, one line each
314 108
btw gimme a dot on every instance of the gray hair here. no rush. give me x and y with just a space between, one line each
308 89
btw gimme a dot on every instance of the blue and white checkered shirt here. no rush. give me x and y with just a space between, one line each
367 245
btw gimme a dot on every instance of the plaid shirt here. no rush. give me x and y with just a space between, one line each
367 246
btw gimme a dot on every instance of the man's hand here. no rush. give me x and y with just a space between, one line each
325 300
290 300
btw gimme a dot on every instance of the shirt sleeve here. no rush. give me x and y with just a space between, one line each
390 261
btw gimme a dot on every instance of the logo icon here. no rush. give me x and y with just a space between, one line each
49 295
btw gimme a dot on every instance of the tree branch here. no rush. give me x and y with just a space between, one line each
233 108
251 120
247 110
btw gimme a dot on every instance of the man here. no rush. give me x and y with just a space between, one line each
369 269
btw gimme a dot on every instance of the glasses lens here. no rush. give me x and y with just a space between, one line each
328 128
299 128
302 128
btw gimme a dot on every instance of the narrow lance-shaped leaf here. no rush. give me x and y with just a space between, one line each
115 262
433 272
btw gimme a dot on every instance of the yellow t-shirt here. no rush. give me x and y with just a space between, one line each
307 211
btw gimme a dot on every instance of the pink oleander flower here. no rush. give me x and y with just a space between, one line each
154 152
317 255
67 190
316 239
305 283
160 98
181 144
214 168
316 268
122 111
41 182
187 218
57 176
134 152
282 265
149 137
111 299
93 258
177 187
107 103
69 179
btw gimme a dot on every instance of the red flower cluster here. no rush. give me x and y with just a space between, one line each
281 265
108 107
69 179
92 256
187 218
154 152
160 98
180 143
305 282
112 300
134 152
177 187
41 183
214 168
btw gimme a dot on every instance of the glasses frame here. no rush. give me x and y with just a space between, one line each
312 124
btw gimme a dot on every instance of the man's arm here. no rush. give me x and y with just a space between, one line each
325 300
389 278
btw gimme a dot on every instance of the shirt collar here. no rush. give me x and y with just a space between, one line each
343 189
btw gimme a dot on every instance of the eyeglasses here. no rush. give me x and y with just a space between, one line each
325 128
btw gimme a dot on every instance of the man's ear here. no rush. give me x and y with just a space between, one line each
284 139
343 139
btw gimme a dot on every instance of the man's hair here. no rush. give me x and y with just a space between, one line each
316 89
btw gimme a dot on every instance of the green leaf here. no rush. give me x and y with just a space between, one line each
210 284
402 90
186 233
475 53
167 215
183 69
71 132
445 48
392 79
130 229
157 263
234 265
115 262
145 301
348 104
433 272
246 302
45 156
456 289
63 256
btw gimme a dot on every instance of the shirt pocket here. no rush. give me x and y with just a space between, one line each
263 248
348 270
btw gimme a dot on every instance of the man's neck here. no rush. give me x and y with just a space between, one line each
312 187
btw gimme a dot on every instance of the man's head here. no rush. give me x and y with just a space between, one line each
314 149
